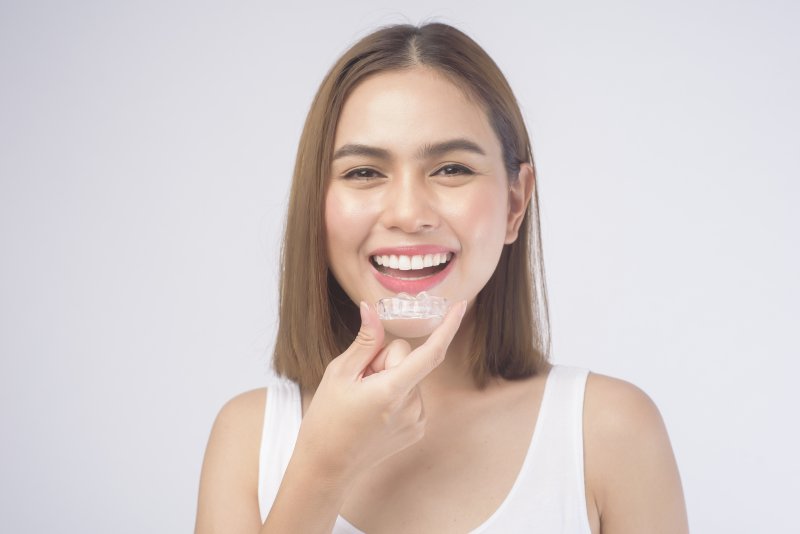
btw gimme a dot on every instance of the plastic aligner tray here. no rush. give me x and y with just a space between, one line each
405 306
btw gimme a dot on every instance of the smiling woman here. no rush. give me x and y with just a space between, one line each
414 173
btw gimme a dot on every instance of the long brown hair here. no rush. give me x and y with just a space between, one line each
317 320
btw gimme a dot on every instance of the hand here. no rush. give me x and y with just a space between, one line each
368 405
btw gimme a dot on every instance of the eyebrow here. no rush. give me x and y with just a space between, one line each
361 150
426 151
453 145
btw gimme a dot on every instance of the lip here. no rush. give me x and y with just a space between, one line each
412 287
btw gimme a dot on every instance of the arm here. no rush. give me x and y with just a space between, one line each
631 475
355 420
228 499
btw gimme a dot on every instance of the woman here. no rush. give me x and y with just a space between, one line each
414 173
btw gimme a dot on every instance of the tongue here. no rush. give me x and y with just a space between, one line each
416 273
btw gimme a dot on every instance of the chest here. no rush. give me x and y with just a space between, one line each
458 474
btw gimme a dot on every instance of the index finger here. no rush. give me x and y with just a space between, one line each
421 361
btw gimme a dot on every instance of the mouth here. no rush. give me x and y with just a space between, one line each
411 267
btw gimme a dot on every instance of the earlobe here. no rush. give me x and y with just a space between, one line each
519 195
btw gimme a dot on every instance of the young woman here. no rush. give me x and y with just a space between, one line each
414 173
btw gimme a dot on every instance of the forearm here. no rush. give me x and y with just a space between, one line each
308 500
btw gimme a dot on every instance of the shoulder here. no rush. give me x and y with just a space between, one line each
631 474
239 413
613 406
621 424
229 479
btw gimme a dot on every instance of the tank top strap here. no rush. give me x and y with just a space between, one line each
282 416
561 425
556 468
548 494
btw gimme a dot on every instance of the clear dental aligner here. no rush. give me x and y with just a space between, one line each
404 306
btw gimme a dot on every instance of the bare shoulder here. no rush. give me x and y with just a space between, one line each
631 474
238 427
243 413
619 407
228 498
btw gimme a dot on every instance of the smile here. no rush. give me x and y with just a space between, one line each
411 267
411 274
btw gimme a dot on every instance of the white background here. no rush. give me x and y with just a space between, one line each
145 155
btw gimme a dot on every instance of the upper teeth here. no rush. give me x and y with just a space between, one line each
410 263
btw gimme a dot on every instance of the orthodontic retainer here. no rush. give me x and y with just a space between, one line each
405 306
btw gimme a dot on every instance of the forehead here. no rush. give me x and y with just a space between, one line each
403 109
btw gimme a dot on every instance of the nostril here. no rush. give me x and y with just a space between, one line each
411 212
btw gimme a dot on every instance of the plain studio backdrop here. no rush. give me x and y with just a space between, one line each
146 151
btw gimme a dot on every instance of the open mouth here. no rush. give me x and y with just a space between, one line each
411 267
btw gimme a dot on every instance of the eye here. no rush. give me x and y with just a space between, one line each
453 169
362 173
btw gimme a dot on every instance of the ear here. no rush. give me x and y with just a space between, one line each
519 195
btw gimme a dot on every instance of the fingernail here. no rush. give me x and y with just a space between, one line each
364 313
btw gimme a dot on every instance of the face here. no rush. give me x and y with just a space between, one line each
418 197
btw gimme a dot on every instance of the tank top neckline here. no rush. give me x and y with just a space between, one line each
546 394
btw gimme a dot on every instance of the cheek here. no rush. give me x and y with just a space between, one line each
345 214
480 217
333 214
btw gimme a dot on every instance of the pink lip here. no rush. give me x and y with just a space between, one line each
411 287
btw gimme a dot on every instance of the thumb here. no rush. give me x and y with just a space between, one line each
367 343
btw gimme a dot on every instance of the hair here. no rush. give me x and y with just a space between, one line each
317 320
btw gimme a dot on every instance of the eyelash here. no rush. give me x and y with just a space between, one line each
354 174
462 171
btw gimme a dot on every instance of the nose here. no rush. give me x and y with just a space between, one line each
409 205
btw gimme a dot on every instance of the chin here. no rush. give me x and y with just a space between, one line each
411 328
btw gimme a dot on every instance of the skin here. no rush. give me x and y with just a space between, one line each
381 426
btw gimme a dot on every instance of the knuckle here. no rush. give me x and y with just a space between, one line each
401 345
365 338
396 351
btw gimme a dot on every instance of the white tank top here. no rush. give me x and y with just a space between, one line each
548 495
